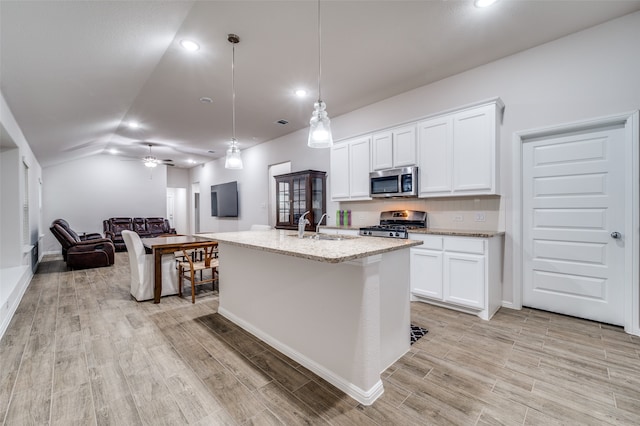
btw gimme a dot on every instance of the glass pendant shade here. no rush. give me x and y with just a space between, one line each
320 127
233 159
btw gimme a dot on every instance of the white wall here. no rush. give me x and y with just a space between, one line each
85 192
253 179
588 74
15 258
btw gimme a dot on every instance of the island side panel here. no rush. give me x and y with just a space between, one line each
395 307
324 315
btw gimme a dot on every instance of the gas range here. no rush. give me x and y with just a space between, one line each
396 224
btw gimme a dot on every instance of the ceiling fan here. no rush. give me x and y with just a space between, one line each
151 161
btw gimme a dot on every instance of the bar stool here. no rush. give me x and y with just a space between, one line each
187 270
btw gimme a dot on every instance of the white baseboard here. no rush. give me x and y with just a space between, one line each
365 397
15 281
511 305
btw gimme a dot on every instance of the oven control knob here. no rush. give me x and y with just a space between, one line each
397 234
391 234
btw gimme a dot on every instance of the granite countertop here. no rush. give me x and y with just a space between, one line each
455 232
286 242
344 227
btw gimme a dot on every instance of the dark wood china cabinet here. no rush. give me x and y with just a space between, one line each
297 193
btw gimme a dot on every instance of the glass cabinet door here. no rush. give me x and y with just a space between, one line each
284 211
317 198
299 197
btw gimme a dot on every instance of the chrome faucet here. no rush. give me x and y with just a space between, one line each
319 222
302 223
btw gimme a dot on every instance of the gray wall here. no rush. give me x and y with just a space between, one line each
253 179
87 191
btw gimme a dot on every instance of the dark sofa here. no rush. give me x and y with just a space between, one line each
86 251
145 227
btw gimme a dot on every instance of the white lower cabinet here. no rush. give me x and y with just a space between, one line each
462 273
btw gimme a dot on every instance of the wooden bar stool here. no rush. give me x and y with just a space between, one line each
187 270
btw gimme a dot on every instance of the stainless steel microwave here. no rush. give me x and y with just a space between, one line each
400 182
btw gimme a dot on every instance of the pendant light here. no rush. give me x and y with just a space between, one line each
319 125
233 159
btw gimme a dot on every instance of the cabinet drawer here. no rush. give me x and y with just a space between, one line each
432 242
465 245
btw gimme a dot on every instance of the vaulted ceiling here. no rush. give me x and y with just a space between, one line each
74 73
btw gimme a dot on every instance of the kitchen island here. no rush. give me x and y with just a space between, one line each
339 308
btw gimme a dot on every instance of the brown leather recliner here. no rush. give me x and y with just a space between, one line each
92 252
113 228
144 227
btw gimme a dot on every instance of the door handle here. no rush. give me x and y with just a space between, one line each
615 235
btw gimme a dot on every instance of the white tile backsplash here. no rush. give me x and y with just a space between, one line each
447 213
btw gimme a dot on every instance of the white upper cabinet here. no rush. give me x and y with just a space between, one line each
458 152
394 148
434 155
382 151
350 165
339 176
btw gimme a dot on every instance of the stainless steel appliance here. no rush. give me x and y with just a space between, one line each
399 182
396 224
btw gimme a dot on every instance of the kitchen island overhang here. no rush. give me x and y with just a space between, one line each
339 308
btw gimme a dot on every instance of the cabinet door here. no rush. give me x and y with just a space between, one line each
404 146
359 168
283 200
474 150
340 172
299 200
382 151
426 273
434 156
464 281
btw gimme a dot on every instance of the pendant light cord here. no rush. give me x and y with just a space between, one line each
233 91
319 54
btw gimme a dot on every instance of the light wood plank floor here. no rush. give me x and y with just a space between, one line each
80 351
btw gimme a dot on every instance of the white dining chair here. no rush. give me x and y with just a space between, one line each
142 270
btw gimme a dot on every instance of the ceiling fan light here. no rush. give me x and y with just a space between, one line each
149 162
320 127
233 159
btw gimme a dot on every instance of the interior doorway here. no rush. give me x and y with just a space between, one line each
195 190
275 170
576 234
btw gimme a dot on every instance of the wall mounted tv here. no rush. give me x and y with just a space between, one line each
224 199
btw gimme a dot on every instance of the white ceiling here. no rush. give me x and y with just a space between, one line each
74 72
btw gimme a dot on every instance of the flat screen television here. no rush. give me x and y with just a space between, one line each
224 199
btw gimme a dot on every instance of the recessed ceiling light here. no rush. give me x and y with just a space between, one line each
301 93
133 124
189 45
113 151
484 3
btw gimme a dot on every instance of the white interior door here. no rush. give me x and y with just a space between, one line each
573 204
